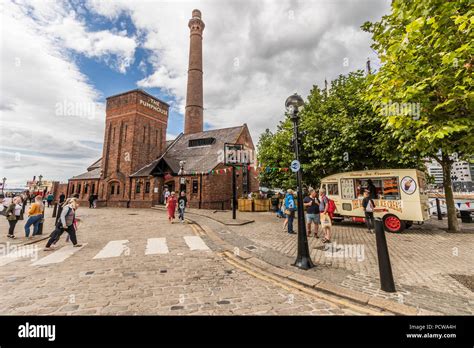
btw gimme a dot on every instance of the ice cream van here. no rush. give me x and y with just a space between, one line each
400 197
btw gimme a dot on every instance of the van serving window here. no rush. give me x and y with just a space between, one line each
201 142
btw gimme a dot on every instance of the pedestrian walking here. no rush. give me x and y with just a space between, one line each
369 206
171 206
35 214
50 199
14 214
182 203
65 224
290 209
91 201
311 203
166 195
62 200
325 217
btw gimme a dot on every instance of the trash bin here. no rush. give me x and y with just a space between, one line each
466 216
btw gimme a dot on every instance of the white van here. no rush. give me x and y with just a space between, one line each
400 196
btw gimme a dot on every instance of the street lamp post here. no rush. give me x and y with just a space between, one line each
181 174
303 258
3 184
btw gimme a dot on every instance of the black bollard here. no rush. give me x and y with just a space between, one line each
438 209
40 227
385 269
55 209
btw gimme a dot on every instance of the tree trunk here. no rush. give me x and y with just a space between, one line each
453 224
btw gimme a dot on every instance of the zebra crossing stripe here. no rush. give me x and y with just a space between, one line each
58 256
25 252
113 248
156 246
195 243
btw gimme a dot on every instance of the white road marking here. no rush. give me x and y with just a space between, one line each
17 254
195 243
58 256
113 248
156 246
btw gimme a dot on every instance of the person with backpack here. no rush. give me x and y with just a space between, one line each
369 206
65 224
14 214
325 216
290 208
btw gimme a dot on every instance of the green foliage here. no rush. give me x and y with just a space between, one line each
426 49
342 133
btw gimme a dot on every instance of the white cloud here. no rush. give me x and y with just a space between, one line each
36 76
256 53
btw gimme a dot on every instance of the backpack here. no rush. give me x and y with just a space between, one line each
331 206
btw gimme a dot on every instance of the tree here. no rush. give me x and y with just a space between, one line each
341 133
424 86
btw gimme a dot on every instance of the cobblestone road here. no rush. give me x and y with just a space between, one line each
151 268
423 258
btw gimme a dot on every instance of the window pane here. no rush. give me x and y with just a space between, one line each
333 189
390 188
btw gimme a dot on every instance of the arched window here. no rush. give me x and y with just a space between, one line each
112 189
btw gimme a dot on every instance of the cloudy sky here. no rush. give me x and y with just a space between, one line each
61 59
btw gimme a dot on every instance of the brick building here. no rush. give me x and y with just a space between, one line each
137 162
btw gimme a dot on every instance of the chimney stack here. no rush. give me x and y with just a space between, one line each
193 118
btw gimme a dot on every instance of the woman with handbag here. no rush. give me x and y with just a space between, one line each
325 217
14 214
35 214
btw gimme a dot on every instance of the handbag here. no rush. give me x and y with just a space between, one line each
325 220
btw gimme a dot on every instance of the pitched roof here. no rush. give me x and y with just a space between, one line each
91 174
198 158
95 165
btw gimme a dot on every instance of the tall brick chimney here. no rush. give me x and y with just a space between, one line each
193 118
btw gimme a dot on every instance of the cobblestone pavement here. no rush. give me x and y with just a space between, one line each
422 257
179 277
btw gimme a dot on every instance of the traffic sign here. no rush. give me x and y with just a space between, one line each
295 166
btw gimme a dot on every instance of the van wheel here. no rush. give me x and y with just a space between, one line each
391 223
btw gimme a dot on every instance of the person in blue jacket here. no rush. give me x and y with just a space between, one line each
290 209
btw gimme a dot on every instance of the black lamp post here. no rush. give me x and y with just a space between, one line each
303 258
181 176
3 184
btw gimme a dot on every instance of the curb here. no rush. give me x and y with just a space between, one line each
241 223
311 282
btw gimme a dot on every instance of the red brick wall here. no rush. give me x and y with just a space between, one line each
135 134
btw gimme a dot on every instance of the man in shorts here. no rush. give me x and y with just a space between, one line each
311 203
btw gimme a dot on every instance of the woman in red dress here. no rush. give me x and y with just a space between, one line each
171 206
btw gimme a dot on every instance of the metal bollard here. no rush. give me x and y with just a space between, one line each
55 209
40 226
385 269
438 209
